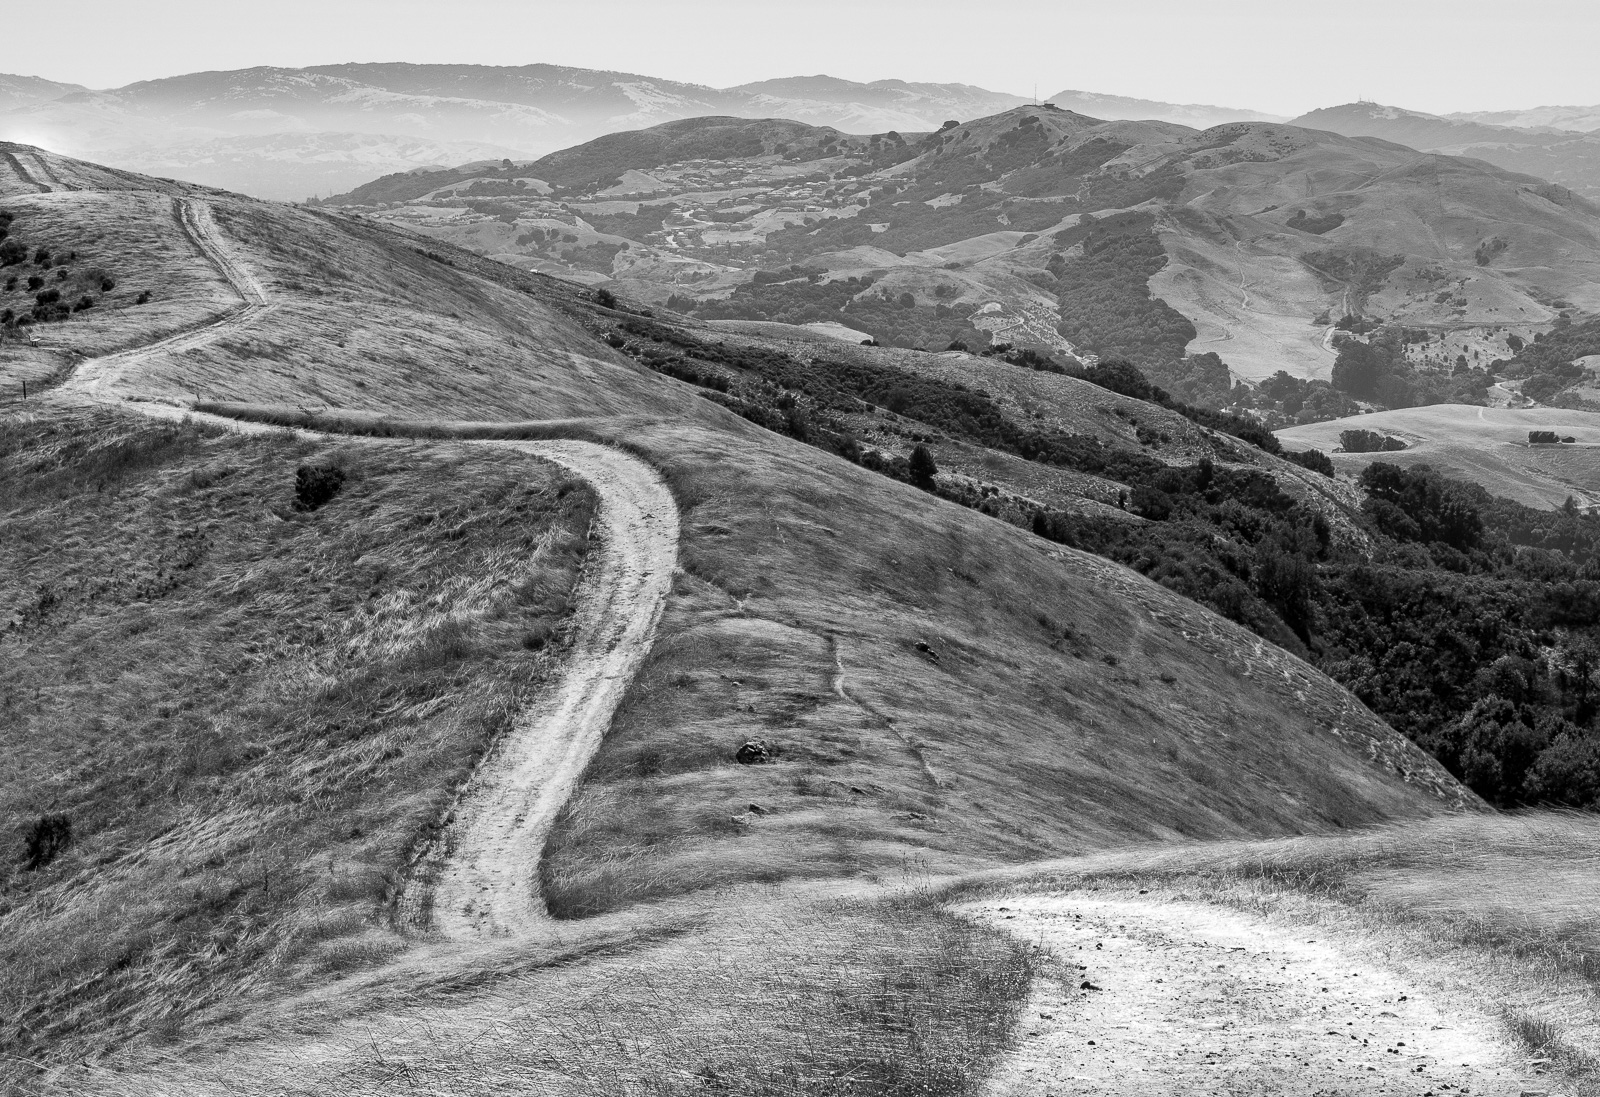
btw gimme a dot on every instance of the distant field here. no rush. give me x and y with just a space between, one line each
1488 446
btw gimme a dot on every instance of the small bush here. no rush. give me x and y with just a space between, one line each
143 298
48 297
923 467
605 298
316 485
1313 459
34 282
11 253
46 839
84 302
42 257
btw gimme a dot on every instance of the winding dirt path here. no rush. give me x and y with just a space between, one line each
92 376
488 882
1165 997
485 870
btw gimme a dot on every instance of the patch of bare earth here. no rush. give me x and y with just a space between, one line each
1152 996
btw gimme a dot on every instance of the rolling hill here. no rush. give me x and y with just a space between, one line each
1568 155
288 133
1487 446
1067 234
920 679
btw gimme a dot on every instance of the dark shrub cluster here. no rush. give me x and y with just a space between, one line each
316 485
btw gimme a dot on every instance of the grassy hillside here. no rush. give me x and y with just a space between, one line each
930 686
1487 446
230 722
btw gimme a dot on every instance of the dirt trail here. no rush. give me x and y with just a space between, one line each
1153 996
489 882
92 377
22 173
486 868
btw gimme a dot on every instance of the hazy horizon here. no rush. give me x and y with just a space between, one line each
1432 55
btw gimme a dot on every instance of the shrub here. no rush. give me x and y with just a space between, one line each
1368 441
46 839
51 296
923 467
605 298
315 485
84 302
12 253
143 298
42 257
107 284
34 282
1313 459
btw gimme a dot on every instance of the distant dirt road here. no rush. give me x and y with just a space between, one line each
1188 998
194 217
486 868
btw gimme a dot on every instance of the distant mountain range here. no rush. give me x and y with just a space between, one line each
1570 157
1122 108
289 133
1036 226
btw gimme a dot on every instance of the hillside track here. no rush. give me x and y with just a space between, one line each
92 377
486 865
488 880
1160 995
22 173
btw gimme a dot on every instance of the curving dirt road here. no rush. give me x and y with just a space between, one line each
91 377
485 871
488 881
1157 996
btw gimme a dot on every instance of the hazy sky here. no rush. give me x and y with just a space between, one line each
1281 56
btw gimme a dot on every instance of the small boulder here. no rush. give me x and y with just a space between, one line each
752 753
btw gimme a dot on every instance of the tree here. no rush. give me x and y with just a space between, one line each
1358 369
923 467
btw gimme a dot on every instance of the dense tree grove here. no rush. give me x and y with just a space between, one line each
1470 623
1106 305
1377 371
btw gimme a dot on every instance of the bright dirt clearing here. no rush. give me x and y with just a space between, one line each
1157 997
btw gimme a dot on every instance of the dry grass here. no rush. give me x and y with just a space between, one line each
134 238
1486 446
1499 909
819 999
807 585
249 714
365 320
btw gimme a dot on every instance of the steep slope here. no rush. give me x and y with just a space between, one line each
1567 155
923 683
